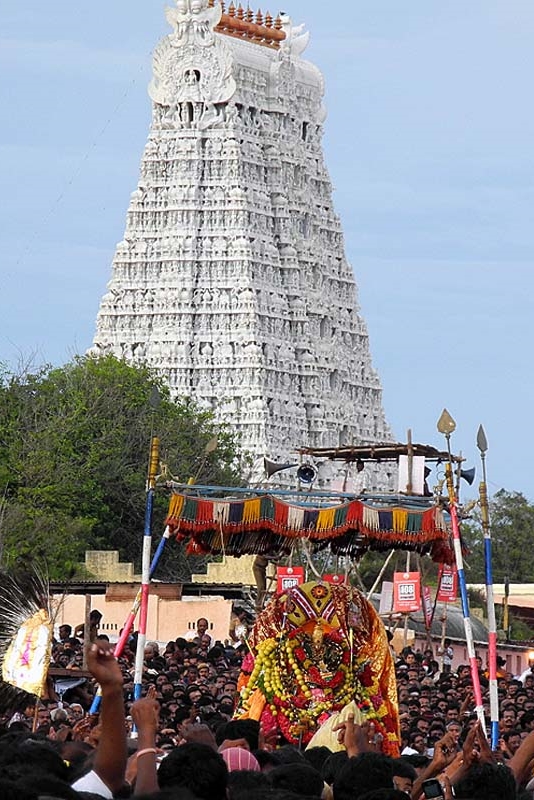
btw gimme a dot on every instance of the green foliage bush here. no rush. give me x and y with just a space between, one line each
74 448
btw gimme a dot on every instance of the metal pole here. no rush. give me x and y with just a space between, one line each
130 619
428 618
443 632
145 569
86 630
447 425
369 498
405 636
482 445
379 576
409 485
505 608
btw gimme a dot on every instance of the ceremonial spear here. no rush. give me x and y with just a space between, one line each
447 425
482 444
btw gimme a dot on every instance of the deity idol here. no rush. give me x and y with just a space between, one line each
317 653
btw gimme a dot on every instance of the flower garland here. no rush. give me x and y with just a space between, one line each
301 694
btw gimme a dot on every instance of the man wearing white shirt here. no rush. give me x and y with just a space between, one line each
198 632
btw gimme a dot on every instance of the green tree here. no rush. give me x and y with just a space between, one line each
74 447
512 535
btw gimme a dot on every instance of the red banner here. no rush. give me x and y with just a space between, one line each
334 577
288 577
406 592
448 584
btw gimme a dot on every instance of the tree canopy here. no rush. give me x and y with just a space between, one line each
74 448
512 535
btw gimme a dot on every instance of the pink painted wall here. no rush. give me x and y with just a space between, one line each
167 619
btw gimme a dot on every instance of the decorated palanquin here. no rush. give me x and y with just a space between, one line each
316 653
265 524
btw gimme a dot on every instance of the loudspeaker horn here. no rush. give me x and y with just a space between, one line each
468 475
271 467
306 473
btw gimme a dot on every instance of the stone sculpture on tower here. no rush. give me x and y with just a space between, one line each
231 279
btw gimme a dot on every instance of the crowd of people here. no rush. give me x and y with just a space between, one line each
180 741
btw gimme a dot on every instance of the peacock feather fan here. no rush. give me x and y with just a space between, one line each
26 631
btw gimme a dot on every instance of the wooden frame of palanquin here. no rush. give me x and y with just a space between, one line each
267 522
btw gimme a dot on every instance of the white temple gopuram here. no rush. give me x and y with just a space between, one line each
231 278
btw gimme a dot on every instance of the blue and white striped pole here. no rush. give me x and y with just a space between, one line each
482 444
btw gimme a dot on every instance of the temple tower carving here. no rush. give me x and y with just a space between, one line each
231 278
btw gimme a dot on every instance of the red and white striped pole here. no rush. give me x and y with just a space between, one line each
447 425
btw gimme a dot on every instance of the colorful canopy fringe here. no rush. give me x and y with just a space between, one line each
267 525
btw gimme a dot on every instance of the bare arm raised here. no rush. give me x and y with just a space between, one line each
111 752
145 714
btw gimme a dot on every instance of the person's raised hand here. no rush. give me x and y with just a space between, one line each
486 755
373 737
103 665
145 711
82 728
444 753
471 747
448 794
357 738
93 737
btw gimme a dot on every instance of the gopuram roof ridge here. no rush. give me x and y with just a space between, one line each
243 23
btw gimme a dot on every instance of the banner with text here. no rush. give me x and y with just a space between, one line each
406 592
288 577
448 584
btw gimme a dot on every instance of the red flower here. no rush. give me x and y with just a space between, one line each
314 674
248 663
376 700
366 676
285 727
268 722
336 681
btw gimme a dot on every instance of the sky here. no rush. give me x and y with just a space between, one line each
429 143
